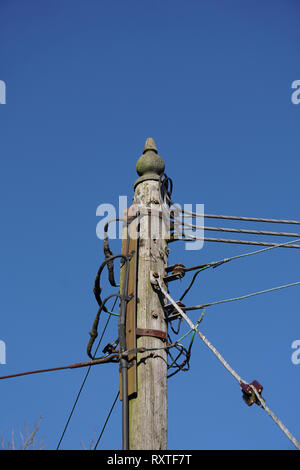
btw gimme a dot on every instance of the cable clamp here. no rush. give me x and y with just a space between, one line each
127 298
177 270
249 395
172 312
127 257
130 352
110 347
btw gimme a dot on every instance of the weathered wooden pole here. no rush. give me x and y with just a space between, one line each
148 408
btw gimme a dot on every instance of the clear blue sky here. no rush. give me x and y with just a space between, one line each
87 83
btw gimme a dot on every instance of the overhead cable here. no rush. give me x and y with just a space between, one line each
224 240
84 379
166 186
107 419
198 307
249 219
236 230
215 264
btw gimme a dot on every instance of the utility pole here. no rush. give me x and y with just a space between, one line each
147 328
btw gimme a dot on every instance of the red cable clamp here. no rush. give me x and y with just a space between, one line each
249 395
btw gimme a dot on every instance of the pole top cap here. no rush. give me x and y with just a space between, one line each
150 165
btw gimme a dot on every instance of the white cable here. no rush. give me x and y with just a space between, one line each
156 281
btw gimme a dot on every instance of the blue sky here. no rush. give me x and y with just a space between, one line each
87 83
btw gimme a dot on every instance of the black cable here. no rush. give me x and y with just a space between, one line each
109 258
176 331
97 288
108 255
184 365
94 330
192 282
84 380
106 421
106 248
97 292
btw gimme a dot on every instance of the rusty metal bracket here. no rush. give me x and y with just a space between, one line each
171 268
172 313
177 270
154 333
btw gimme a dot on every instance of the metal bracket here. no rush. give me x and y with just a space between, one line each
154 333
172 313
110 348
177 270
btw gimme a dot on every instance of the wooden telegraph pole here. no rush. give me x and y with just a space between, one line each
145 324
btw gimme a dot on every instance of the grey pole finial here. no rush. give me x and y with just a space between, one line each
150 165
150 145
